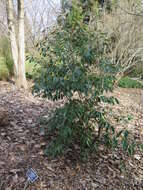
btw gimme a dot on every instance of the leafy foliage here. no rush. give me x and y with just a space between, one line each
74 65
29 66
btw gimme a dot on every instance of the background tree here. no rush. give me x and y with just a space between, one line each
12 35
123 26
18 49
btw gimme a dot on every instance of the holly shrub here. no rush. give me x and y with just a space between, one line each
74 65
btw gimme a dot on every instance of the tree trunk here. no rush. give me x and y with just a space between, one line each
18 50
12 35
21 46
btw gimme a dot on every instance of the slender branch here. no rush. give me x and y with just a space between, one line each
130 13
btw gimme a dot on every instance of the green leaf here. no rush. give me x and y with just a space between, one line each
125 145
126 133
131 149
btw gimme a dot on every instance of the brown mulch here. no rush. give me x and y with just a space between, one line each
22 145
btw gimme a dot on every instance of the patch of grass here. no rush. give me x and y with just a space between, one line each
4 72
5 54
127 82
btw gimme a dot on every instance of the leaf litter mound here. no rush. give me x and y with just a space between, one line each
22 145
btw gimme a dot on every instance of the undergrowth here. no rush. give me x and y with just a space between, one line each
127 82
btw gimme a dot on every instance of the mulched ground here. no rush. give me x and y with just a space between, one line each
22 145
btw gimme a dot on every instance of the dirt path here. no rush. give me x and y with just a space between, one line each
22 145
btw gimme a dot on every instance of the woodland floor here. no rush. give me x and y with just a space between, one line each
22 144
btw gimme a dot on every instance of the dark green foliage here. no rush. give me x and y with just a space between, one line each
74 65
77 122
127 82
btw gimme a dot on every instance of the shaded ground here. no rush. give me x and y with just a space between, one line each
22 144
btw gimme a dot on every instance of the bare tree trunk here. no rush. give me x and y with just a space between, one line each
18 50
21 46
12 35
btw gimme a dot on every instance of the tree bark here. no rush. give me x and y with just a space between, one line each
17 46
12 35
21 46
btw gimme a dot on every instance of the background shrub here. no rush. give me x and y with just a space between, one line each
29 67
